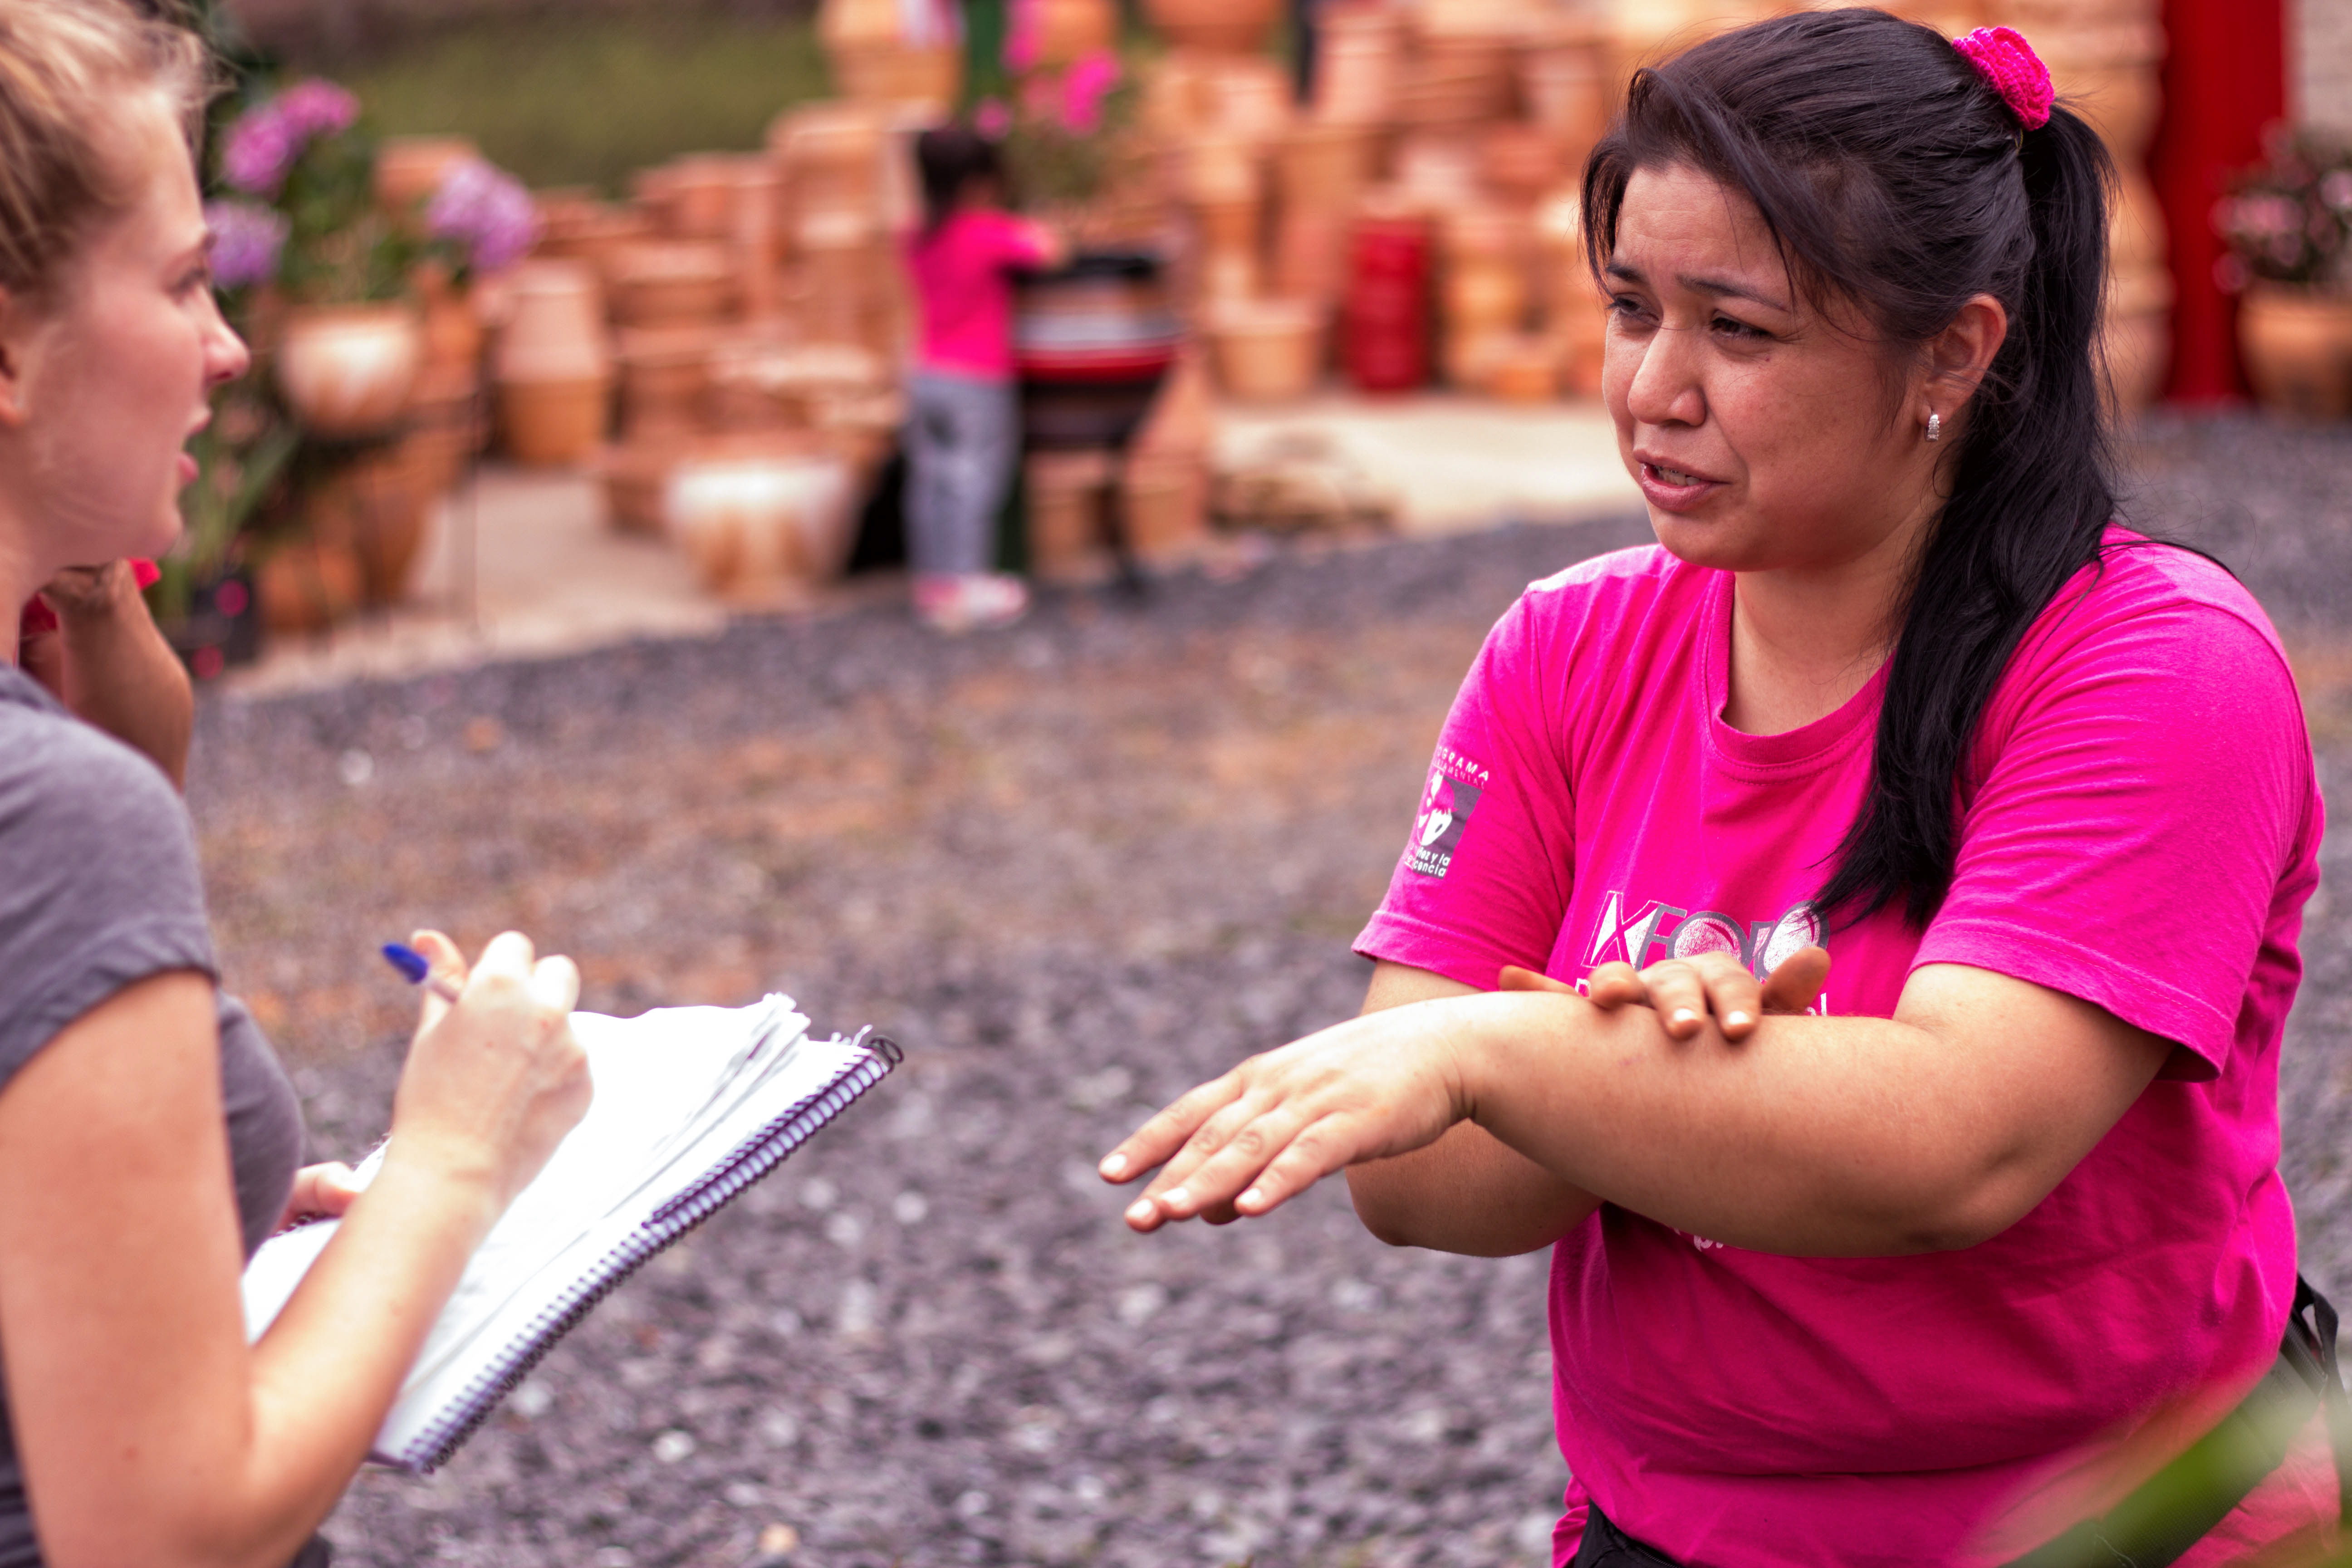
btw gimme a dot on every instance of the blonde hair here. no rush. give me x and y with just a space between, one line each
65 67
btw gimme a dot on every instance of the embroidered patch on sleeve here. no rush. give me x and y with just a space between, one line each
1454 784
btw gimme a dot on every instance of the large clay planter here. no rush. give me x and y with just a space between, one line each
376 506
1215 26
2297 348
1360 43
347 370
555 423
664 374
555 328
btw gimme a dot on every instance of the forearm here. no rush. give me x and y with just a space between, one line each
1814 1136
1466 1193
331 1365
123 677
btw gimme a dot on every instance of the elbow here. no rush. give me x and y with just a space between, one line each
1967 1211
1379 1212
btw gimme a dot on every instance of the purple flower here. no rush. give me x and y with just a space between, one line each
260 150
316 107
485 211
245 242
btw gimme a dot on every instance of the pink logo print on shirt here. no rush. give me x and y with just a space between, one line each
1655 930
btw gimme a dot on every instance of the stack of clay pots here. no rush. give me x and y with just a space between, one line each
753 308
2103 57
891 52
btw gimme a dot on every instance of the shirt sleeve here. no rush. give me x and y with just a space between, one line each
2149 792
99 881
1486 871
1020 242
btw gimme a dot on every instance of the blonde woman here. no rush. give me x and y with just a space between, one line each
148 1139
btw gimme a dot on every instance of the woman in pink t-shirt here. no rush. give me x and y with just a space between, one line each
1952 838
964 419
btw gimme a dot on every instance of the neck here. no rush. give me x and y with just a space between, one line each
1805 639
21 574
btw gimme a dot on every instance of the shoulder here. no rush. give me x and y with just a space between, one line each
1608 607
67 788
99 878
2147 607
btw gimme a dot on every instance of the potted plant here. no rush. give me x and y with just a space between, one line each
2288 224
351 342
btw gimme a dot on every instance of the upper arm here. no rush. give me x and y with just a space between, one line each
120 1324
2032 1080
2142 826
1396 984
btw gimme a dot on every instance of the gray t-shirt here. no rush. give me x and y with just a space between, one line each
100 888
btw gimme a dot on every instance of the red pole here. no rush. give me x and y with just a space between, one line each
2224 80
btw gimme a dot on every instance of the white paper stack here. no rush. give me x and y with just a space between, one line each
692 1105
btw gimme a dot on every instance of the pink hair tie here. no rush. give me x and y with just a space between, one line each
2012 69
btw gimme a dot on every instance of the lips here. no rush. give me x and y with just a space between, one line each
1669 486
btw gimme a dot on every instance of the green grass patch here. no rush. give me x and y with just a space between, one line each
588 99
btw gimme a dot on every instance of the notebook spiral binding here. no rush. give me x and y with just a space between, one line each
755 1157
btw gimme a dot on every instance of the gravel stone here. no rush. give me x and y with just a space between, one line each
1073 868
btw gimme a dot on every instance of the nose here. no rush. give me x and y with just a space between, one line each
226 356
1665 387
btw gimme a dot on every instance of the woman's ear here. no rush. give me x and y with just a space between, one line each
1958 356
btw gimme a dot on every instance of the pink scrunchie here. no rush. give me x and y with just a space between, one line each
2012 69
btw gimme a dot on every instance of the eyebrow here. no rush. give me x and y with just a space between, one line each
1720 287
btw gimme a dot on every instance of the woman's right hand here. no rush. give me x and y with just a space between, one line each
1686 992
494 1079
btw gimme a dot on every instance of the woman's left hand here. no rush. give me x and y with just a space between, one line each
320 1192
1383 1084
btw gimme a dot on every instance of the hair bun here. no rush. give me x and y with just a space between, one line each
2012 68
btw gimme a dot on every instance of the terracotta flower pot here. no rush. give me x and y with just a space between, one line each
2297 346
307 586
347 370
409 169
1267 351
1216 26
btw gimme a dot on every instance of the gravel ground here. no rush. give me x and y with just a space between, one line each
1073 868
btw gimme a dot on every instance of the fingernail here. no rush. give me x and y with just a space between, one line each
1175 1198
1736 1020
1683 1018
1250 1199
1140 1210
1114 1166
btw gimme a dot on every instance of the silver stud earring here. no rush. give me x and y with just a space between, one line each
1934 426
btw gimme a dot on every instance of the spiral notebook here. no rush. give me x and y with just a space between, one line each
692 1105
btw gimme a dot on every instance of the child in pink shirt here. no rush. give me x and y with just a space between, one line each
963 428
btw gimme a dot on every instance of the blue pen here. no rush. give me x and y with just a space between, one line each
417 970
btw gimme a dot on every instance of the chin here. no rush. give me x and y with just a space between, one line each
1697 544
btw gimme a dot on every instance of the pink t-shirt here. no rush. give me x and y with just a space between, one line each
2140 825
962 293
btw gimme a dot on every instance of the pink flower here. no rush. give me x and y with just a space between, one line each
316 107
487 211
246 240
993 117
1021 30
260 151
1084 88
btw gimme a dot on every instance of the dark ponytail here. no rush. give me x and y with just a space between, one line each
948 159
1893 177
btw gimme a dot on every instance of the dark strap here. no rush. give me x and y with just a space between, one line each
2183 1501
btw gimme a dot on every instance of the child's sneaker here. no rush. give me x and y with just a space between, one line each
967 603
